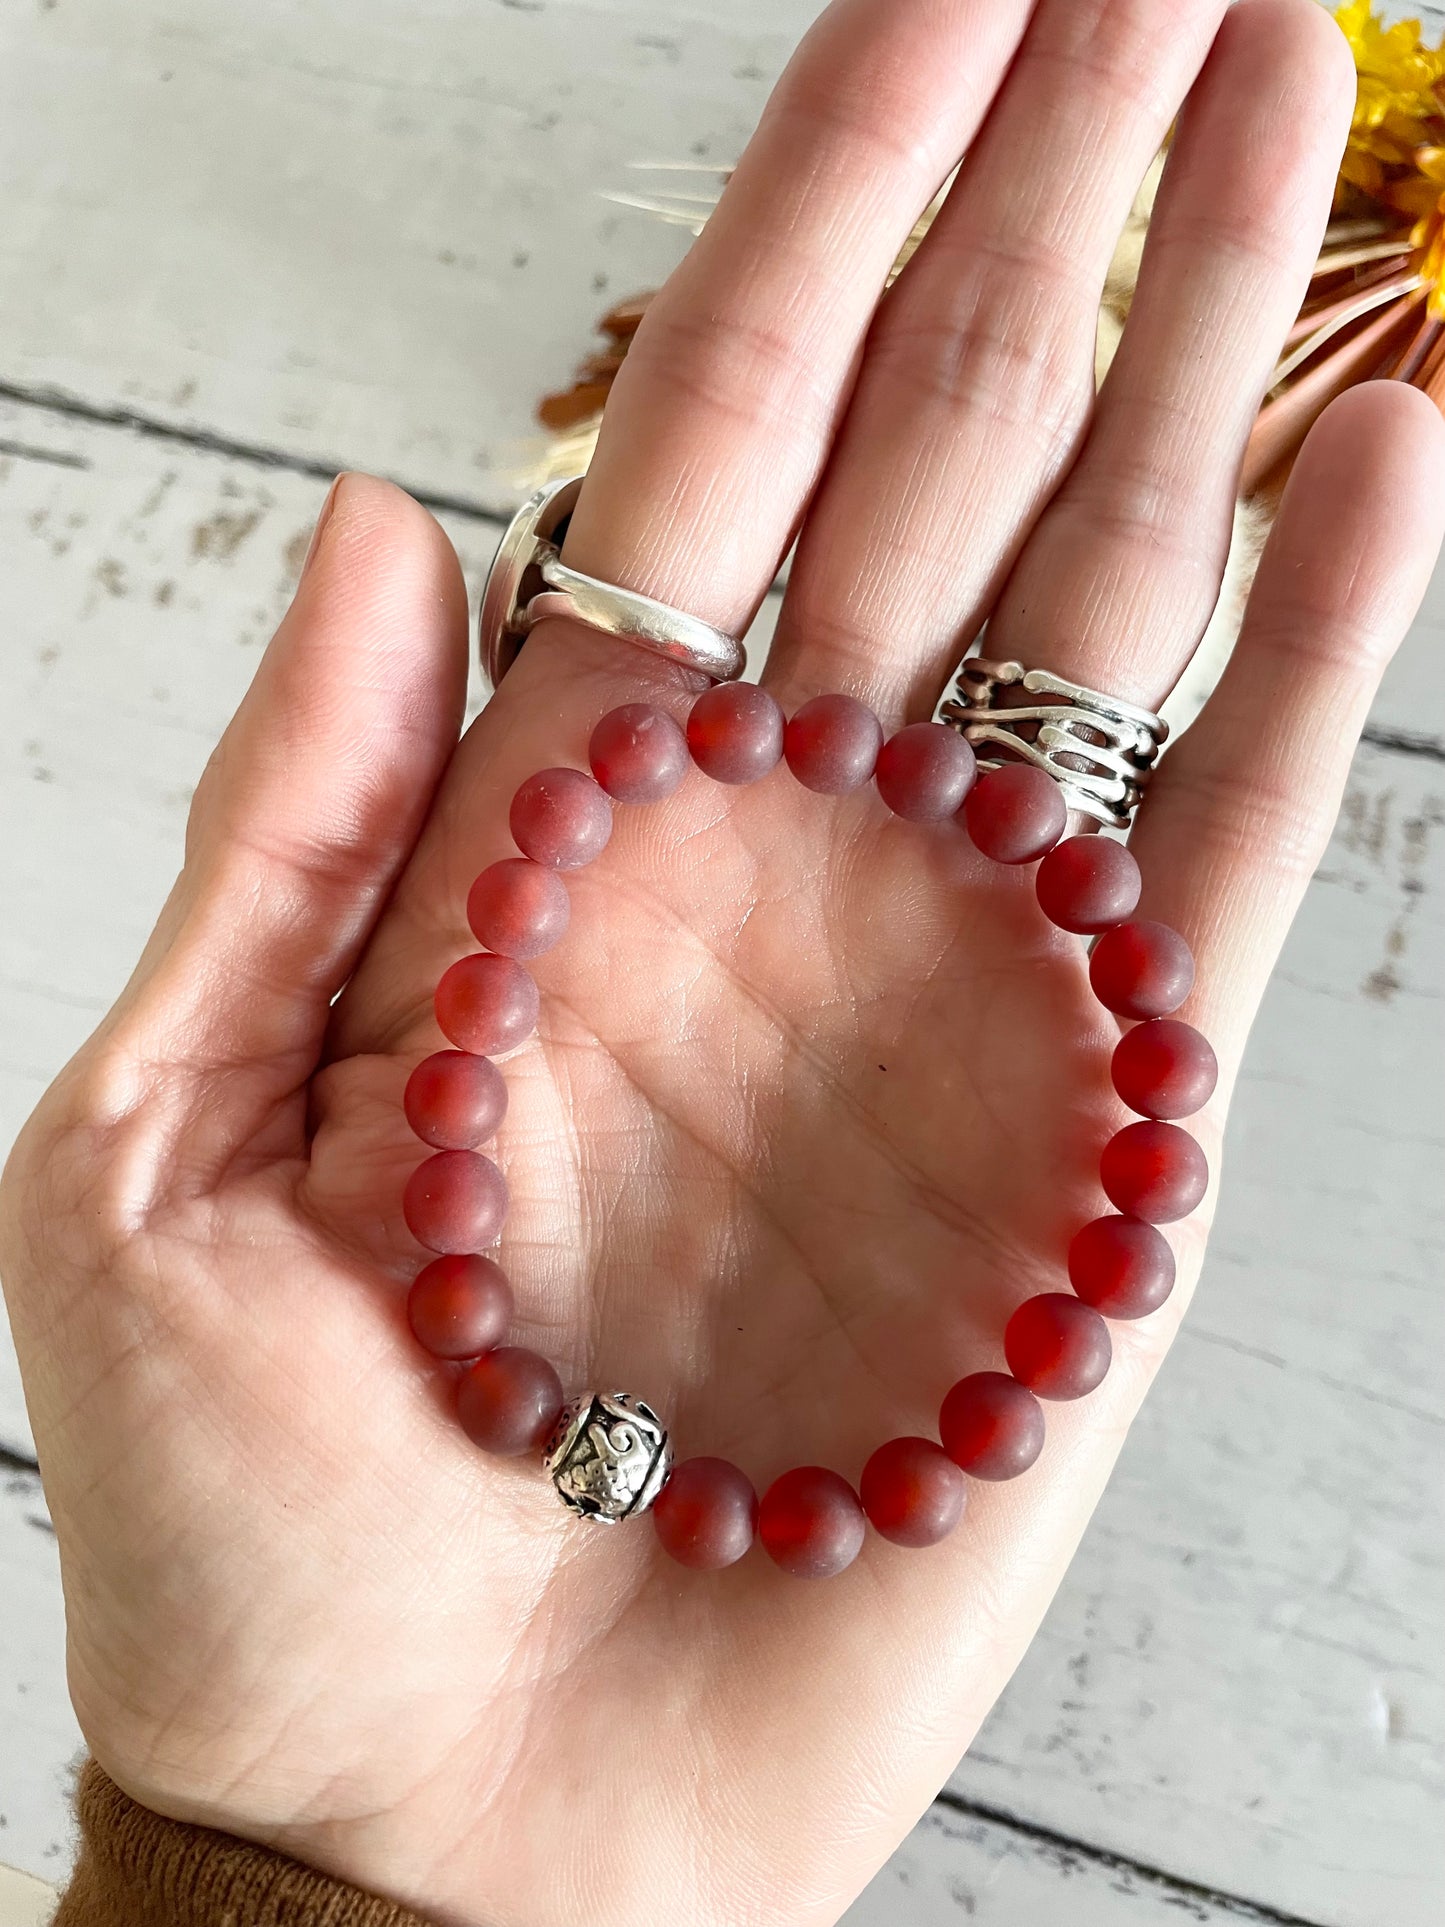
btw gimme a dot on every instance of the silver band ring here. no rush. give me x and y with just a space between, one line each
528 581
1100 750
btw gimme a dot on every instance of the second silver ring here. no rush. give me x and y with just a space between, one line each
528 582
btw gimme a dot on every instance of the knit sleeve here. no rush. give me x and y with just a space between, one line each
137 1869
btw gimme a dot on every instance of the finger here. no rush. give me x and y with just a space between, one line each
726 404
1242 807
978 378
1122 574
307 810
721 416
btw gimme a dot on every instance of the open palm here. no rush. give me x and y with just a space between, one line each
817 1096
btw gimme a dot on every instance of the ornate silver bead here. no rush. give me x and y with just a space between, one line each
608 1456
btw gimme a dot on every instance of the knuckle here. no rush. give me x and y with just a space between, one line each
1154 521
835 627
730 365
1313 637
864 114
1003 348
83 1182
1254 812
1126 51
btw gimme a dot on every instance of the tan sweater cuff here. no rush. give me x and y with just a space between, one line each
137 1869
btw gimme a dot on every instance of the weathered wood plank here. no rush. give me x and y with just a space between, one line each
24 1901
372 211
1280 1721
369 234
39 1739
365 234
143 580
965 1870
1231 1683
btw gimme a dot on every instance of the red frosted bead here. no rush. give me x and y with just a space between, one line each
924 772
455 1101
486 1004
912 1492
706 1515
735 733
508 1401
456 1201
1163 1068
1057 1346
460 1306
1015 813
811 1523
1121 1266
1154 1171
832 744
991 1425
638 754
1088 883
561 817
518 908
1141 969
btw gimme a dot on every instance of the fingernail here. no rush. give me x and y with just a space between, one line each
316 534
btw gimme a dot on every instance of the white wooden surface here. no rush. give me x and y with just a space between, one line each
24 1900
323 228
233 227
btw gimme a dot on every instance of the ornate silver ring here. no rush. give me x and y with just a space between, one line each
1100 750
528 581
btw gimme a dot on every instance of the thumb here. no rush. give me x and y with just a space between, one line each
306 813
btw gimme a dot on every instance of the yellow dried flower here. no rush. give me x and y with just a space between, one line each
1395 155
1428 237
1376 303
1399 90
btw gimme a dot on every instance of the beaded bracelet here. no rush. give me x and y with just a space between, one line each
609 1454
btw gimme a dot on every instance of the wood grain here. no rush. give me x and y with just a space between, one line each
962 1869
365 234
246 247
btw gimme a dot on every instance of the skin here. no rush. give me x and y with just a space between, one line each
817 1097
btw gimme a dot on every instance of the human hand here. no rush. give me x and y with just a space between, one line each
817 1097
